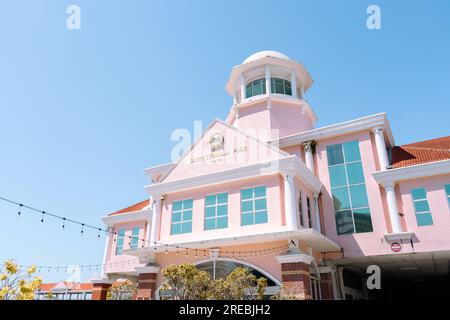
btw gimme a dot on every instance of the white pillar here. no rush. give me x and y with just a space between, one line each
309 158
105 253
290 203
236 120
316 212
293 84
394 215
302 91
267 76
242 88
155 220
381 148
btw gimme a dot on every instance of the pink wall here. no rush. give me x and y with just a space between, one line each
435 237
124 262
289 119
370 243
275 214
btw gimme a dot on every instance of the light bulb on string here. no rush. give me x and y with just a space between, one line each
20 210
114 236
82 228
42 218
187 253
64 223
196 256
98 235
177 252
166 249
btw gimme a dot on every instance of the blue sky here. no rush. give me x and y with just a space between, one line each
83 112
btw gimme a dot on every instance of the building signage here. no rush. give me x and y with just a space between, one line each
396 247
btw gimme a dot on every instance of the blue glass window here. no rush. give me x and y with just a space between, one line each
255 88
351 206
134 238
181 217
120 240
447 192
253 206
280 86
216 211
421 207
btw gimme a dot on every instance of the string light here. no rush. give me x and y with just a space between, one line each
243 254
20 210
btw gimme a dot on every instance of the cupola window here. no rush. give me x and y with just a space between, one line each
255 88
280 86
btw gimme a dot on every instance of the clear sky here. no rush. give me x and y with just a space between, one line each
83 112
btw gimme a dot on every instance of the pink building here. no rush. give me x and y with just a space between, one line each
308 208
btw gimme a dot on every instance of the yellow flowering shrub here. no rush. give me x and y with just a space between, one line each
16 284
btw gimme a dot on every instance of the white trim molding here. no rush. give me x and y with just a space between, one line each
296 257
145 214
392 176
339 129
277 166
147 269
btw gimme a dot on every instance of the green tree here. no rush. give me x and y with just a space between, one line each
125 291
186 282
16 284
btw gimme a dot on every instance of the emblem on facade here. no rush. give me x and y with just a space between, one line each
216 142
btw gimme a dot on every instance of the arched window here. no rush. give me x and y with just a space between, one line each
280 86
255 88
218 268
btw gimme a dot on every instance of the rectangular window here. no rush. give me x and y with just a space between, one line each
253 206
182 216
300 209
447 192
216 211
120 240
308 207
134 238
423 212
348 188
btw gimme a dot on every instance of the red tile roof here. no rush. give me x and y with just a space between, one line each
72 286
421 152
135 207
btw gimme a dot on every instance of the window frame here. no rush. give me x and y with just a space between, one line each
447 193
348 185
182 221
251 85
215 206
254 211
120 241
426 212
134 241
286 84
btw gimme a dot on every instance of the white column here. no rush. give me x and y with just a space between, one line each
381 148
309 158
105 253
290 203
155 220
242 88
236 120
293 84
267 76
394 215
302 91
316 211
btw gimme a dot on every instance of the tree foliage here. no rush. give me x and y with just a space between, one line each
186 282
125 291
16 284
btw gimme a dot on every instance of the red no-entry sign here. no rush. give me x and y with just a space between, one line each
396 247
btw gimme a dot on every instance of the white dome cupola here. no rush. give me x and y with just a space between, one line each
270 80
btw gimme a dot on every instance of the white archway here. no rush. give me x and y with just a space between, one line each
270 290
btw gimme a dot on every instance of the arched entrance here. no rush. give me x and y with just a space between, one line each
222 267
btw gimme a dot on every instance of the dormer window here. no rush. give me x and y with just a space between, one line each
280 86
255 88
